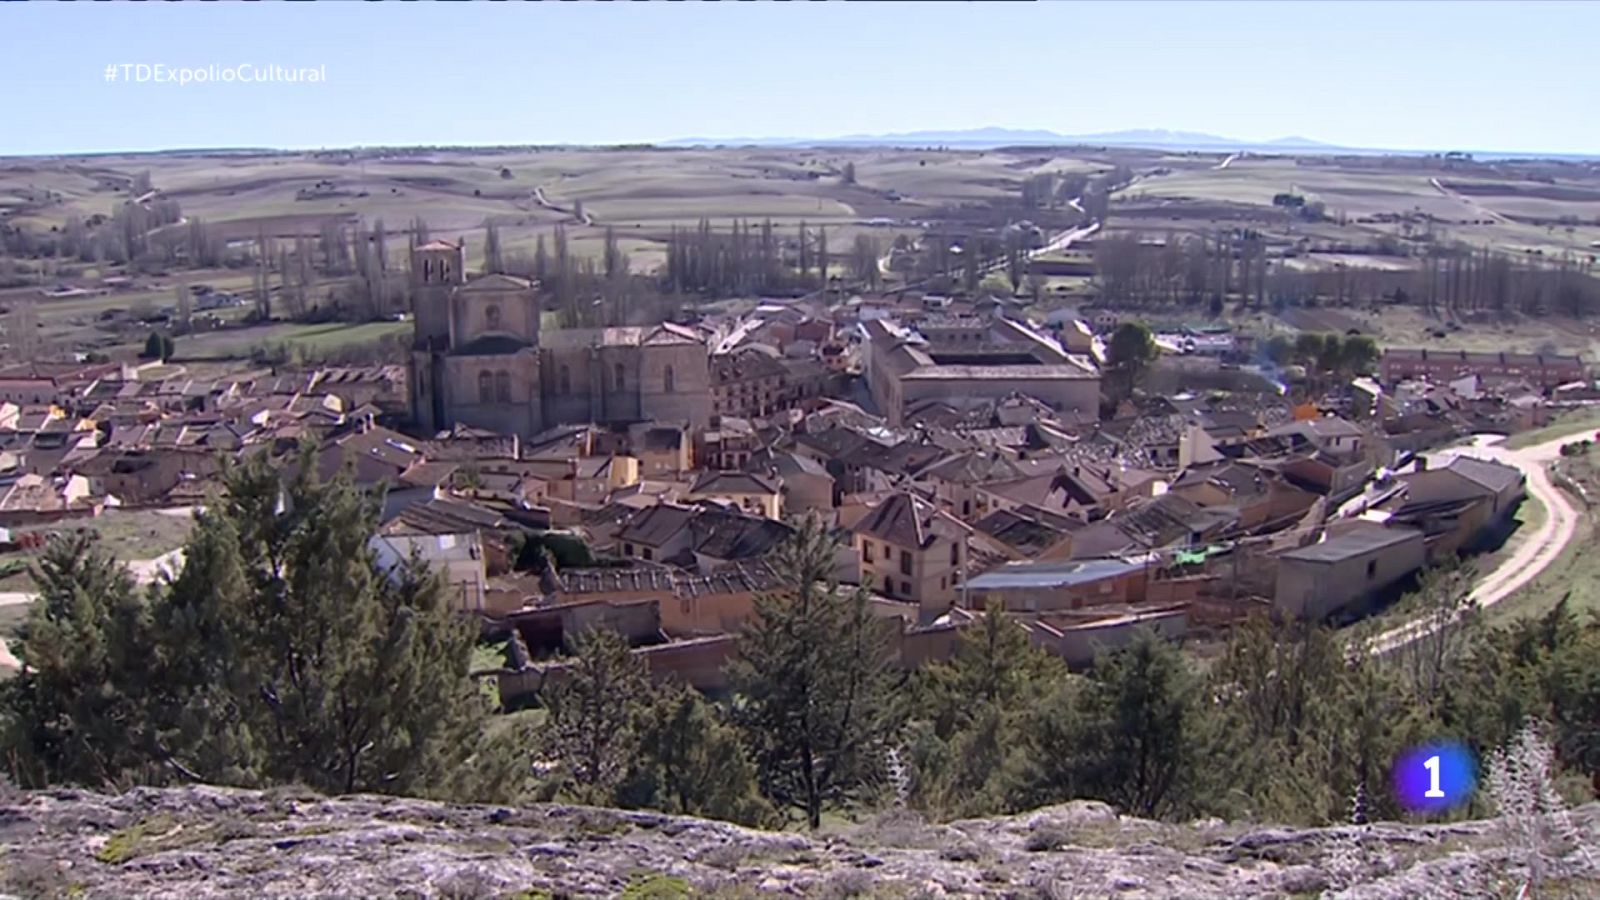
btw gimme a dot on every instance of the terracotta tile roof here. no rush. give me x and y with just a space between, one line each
910 521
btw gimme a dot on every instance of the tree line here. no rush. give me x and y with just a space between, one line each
749 259
284 652
1133 269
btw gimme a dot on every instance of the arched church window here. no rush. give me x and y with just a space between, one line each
668 381
502 386
491 316
485 386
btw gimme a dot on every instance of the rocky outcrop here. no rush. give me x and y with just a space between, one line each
203 842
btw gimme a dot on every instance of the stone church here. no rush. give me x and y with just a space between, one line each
478 358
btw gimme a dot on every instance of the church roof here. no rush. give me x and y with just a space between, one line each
665 334
496 282
438 245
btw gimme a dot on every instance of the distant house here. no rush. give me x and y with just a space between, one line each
457 558
1046 586
1545 370
912 550
1079 636
806 484
1347 569
1463 506
754 494
662 450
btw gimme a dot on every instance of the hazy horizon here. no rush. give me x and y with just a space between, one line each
1490 77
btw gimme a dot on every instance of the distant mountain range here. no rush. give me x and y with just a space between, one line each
977 138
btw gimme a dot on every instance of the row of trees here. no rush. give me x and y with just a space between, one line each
745 259
1134 270
283 653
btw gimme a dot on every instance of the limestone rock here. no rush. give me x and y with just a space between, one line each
206 842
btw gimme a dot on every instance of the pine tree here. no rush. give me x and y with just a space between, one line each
74 711
493 259
541 260
592 732
281 653
692 763
814 683
822 256
1131 737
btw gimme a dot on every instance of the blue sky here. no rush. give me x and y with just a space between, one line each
1433 75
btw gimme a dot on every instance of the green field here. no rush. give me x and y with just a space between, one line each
313 338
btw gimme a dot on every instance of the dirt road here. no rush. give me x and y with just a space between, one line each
1531 556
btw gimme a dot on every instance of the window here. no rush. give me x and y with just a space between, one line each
1372 569
564 379
617 378
943 583
485 386
866 551
427 269
648 554
502 386
491 317
905 562
668 381
955 553
905 588
627 549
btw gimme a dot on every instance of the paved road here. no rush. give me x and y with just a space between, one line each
1227 162
1533 554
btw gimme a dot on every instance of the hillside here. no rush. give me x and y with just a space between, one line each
202 842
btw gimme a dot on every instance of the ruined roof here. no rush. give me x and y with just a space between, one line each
1028 530
634 579
736 579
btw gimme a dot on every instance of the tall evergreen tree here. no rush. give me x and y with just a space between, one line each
814 683
592 734
281 653
493 258
72 713
692 763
